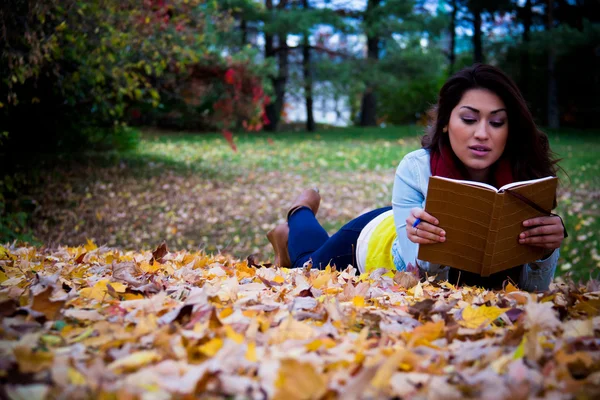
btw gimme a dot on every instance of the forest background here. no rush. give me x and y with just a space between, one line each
107 109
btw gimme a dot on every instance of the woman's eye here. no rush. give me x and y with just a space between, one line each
496 124
469 121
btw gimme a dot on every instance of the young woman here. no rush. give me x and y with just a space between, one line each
482 131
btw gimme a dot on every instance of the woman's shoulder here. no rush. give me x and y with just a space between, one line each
418 158
418 155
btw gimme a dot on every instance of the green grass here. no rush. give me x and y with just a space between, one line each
360 149
352 149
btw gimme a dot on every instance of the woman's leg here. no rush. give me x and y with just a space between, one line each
309 240
306 235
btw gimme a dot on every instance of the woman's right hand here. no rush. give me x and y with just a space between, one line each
427 231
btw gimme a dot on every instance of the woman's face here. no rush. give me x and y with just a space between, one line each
478 131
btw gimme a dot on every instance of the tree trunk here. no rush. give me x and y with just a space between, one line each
525 59
270 109
477 46
368 110
274 109
452 53
281 79
244 30
310 120
553 113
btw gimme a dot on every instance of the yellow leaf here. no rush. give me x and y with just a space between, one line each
97 292
510 288
297 380
118 287
321 280
425 334
279 279
314 345
132 296
150 269
358 301
233 335
146 325
520 350
473 317
226 312
75 377
3 253
30 361
251 352
134 360
211 347
3 277
90 245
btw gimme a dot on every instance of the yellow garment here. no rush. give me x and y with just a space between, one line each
379 251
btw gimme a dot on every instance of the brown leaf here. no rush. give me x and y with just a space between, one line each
405 279
159 253
43 304
422 308
79 259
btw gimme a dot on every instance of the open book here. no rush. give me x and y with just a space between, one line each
483 223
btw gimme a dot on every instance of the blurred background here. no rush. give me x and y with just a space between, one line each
197 121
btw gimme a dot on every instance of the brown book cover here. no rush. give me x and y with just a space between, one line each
483 223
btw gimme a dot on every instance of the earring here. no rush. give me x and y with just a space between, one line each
445 130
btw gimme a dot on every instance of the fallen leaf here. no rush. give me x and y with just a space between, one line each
476 317
134 361
298 380
211 347
30 361
43 304
159 253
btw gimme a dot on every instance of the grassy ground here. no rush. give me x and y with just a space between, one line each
194 192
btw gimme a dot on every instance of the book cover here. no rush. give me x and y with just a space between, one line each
483 223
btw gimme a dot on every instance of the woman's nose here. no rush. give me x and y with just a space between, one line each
481 131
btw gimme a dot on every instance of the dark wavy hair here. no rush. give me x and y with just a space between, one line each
527 147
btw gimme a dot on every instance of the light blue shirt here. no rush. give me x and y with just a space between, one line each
410 190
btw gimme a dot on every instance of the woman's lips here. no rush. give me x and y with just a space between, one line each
479 151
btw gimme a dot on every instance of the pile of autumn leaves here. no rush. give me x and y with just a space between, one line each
98 322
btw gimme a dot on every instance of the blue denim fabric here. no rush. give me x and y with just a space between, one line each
410 190
308 240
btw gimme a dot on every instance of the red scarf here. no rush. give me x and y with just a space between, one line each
445 164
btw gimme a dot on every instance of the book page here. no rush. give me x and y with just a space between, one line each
521 183
470 183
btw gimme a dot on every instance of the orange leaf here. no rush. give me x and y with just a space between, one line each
43 304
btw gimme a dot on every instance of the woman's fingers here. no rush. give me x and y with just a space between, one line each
422 240
428 231
423 216
545 232
542 230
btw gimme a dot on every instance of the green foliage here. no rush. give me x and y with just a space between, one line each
414 78
77 66
577 72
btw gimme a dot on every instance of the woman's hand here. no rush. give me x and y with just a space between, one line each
426 232
546 232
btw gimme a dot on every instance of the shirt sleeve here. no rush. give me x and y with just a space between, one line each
537 275
405 196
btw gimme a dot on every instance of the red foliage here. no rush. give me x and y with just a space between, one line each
230 76
229 137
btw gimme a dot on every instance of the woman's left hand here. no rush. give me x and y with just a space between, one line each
546 232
